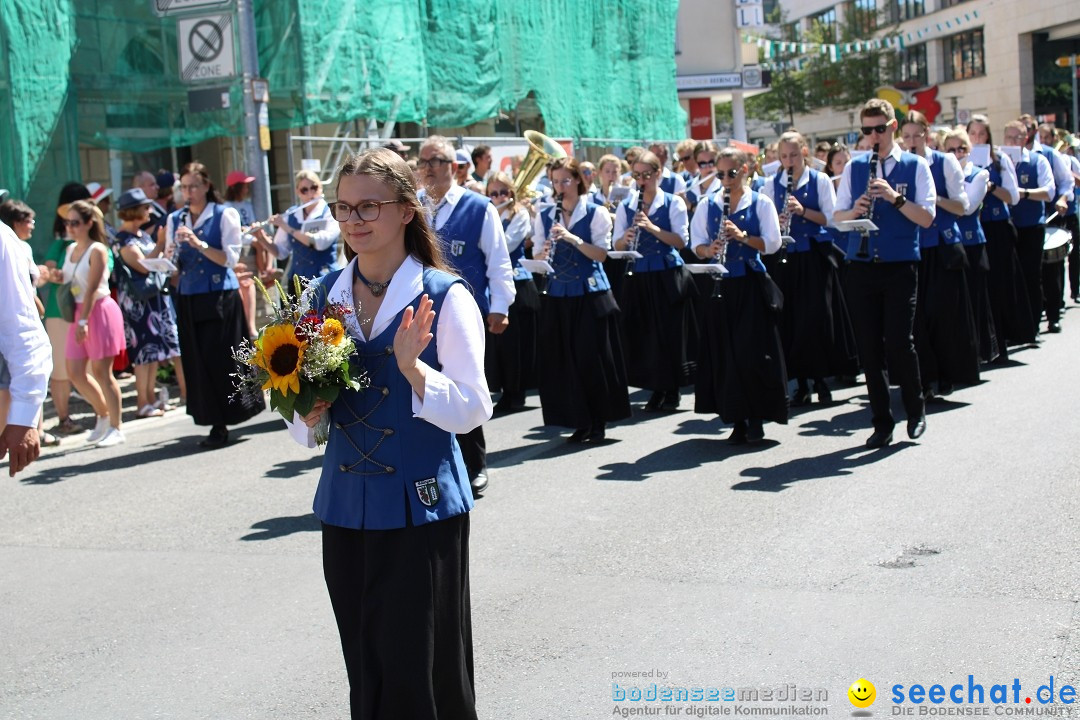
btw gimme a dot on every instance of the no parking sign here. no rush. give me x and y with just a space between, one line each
206 48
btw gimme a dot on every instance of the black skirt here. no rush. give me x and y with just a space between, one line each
401 600
510 358
946 340
741 372
815 328
1008 290
582 376
211 325
978 273
660 329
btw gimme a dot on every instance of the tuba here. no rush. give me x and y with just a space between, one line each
542 150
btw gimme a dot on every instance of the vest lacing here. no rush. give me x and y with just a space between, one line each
384 392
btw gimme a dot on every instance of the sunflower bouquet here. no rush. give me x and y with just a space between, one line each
301 356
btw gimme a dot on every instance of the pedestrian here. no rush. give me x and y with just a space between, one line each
147 182
481 160
204 240
395 513
24 357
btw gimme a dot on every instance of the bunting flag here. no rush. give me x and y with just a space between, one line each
835 52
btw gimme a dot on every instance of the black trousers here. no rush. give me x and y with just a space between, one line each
1029 245
881 299
1072 222
401 600
473 450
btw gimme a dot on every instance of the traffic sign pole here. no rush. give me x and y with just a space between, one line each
253 153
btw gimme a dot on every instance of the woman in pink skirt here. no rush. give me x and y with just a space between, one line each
97 335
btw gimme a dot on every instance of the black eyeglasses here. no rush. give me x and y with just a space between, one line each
368 211
643 176
73 223
435 162
732 173
684 159
308 189
706 163
871 129
499 193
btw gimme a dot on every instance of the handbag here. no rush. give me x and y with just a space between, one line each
140 286
65 301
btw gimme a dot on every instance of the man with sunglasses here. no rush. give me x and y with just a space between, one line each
471 235
881 283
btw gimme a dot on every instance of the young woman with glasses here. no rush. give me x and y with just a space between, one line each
203 238
511 356
581 372
741 372
306 232
394 495
658 318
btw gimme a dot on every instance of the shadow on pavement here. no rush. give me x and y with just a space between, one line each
834 464
683 455
294 468
282 526
167 450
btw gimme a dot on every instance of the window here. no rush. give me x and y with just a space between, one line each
912 65
951 3
826 21
964 55
906 9
790 32
862 16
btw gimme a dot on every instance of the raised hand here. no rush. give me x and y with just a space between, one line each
414 333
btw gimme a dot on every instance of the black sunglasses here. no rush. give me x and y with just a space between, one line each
684 159
871 129
707 163
732 173
499 193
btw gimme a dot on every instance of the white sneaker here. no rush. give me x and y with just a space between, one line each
100 429
112 437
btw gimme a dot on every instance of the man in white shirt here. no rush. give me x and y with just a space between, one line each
26 353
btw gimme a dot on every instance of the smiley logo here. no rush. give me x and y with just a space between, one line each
862 693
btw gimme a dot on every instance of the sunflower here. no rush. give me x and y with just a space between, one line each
280 355
332 331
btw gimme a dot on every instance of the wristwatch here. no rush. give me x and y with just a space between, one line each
990 187
1025 193
899 202
83 323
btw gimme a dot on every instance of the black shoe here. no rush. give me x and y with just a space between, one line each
944 388
824 395
597 434
738 433
655 401
671 400
801 396
880 439
218 438
479 482
579 436
928 394
1054 327
1076 299
916 427
755 433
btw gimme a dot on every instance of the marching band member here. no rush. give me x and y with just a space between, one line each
835 161
1066 175
741 372
670 182
581 373
470 232
881 282
1036 180
818 338
946 339
511 356
658 318
608 170
306 232
976 183
684 155
1009 303
1053 273
705 182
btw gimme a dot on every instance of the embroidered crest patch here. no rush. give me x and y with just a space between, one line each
457 248
428 491
592 282
901 188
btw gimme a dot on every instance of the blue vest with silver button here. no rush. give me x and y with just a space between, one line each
667 182
897 238
739 257
994 209
971 232
1028 213
575 274
383 468
517 256
803 230
658 255
460 238
307 262
198 273
944 229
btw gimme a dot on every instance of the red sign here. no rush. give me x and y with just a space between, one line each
701 118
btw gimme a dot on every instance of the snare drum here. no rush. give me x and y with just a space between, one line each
1056 245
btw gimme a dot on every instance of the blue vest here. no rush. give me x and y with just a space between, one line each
944 229
380 461
307 262
739 257
460 238
802 229
198 273
575 274
1028 213
757 183
516 256
667 184
897 238
658 255
971 232
994 209
1052 157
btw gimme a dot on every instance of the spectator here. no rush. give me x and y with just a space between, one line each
147 182
464 161
481 160
166 195
253 258
399 147
821 150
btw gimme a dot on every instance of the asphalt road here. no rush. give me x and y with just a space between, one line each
154 580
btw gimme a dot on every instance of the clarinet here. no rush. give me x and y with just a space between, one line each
553 245
864 250
632 246
721 239
786 235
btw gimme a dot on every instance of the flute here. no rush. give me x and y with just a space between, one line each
864 250
265 223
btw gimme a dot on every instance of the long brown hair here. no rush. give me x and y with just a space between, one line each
91 215
197 168
387 167
571 165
